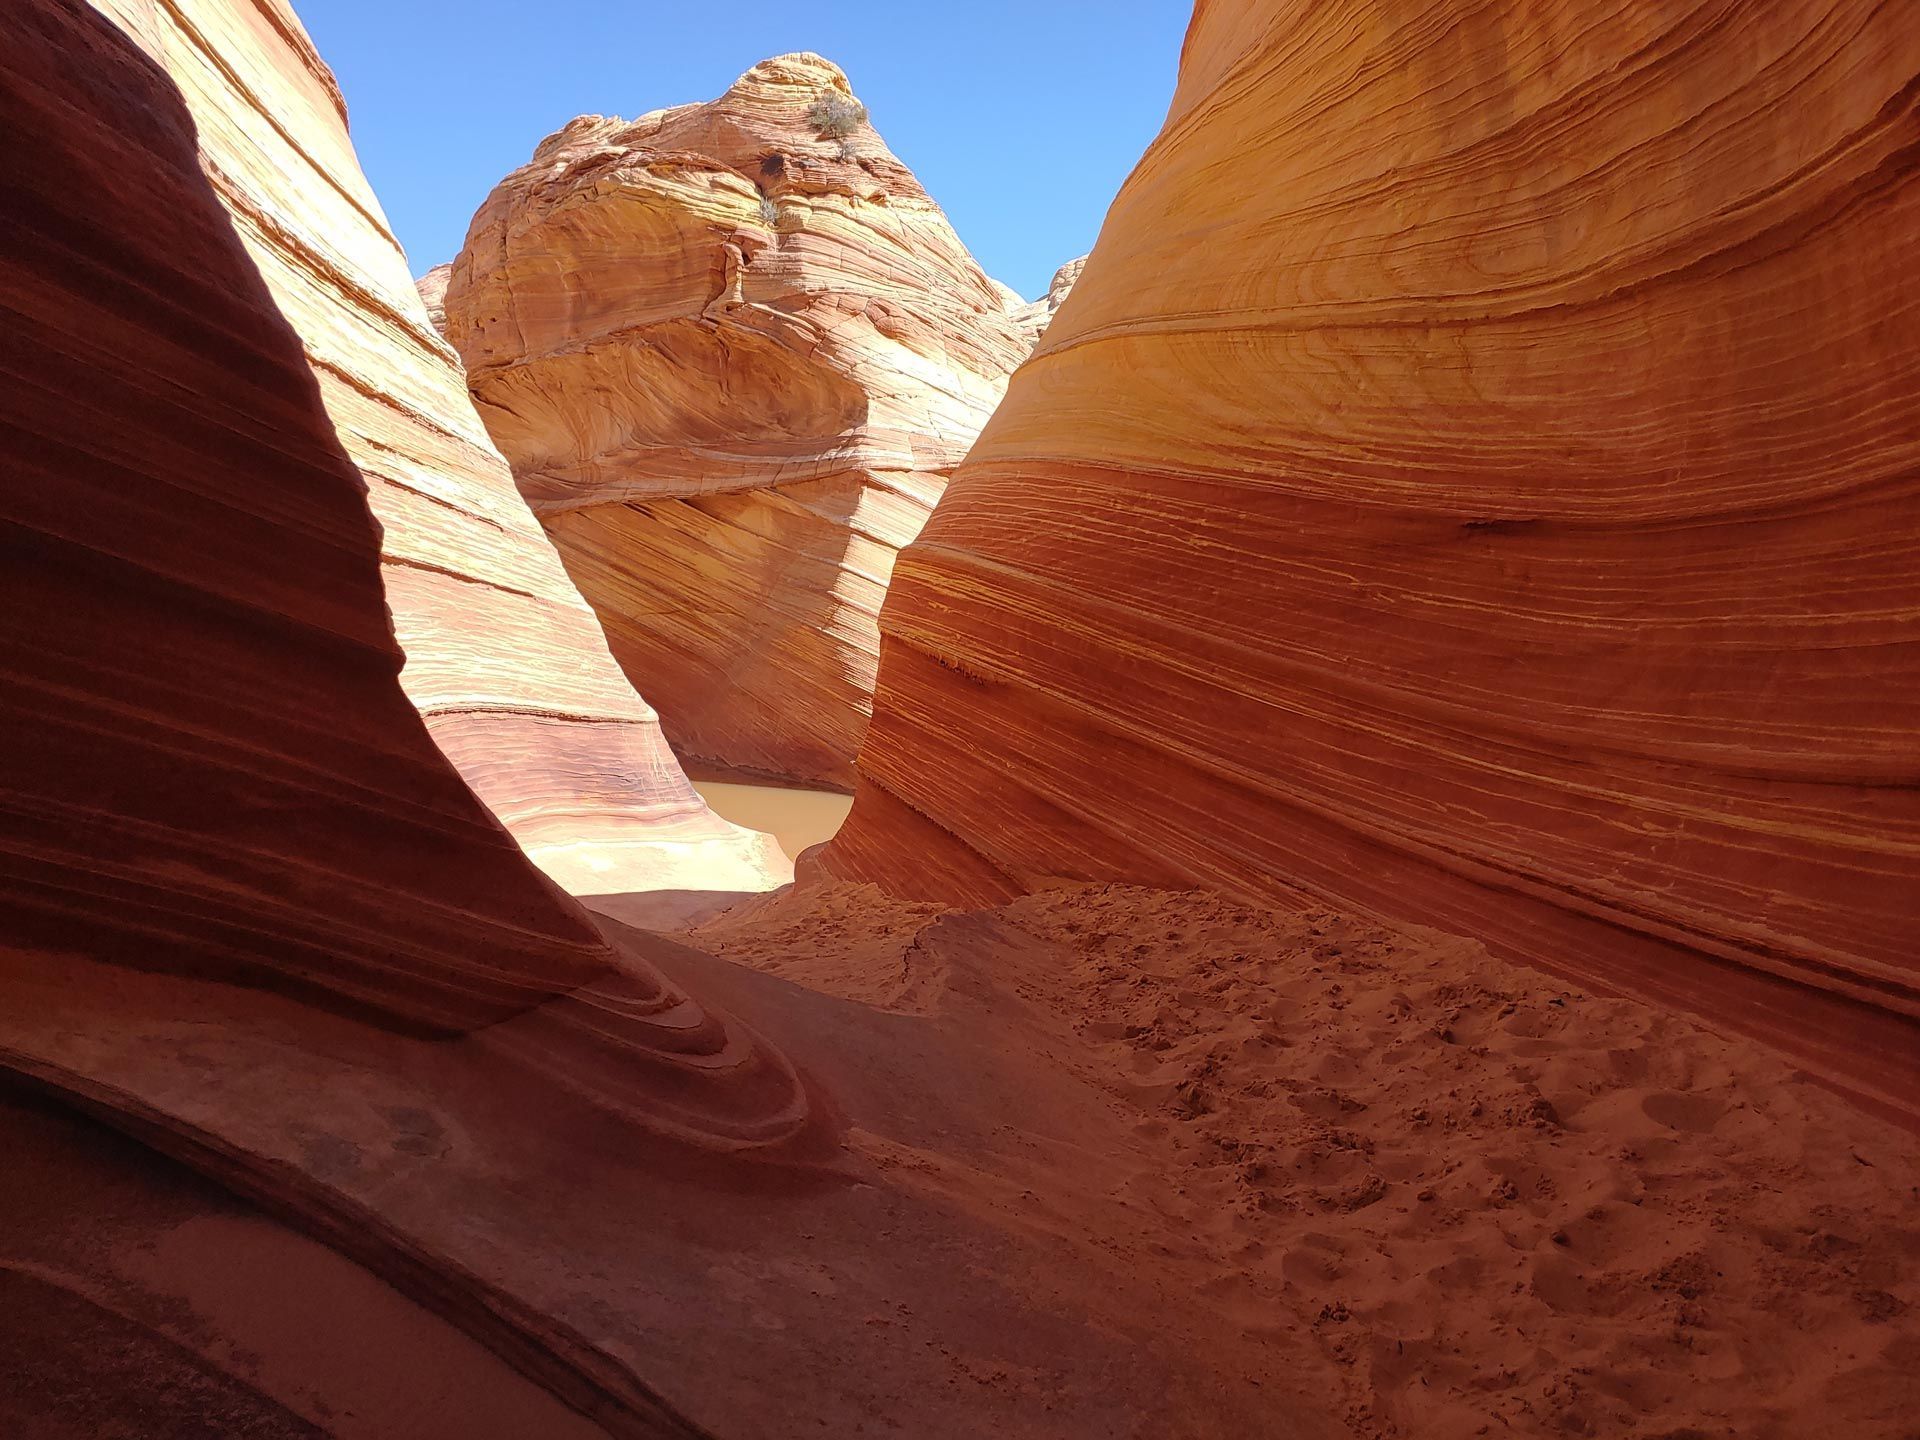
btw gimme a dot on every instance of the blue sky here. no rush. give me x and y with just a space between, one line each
1022 117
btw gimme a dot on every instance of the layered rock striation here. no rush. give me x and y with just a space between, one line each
1105 1161
211 776
251 916
504 660
247 904
732 351
1477 480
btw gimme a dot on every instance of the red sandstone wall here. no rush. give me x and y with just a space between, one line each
206 760
209 770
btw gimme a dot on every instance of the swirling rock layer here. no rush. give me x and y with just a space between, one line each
1476 481
732 357
129 1282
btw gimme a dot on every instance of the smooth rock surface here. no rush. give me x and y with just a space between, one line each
1103 1162
144 1303
732 360
206 759
1477 481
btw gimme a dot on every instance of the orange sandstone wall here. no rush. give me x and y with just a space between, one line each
1476 479
732 361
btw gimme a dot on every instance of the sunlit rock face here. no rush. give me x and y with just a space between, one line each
433 294
504 660
732 356
1033 317
1475 480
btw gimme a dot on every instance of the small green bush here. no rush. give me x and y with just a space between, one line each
835 116
769 211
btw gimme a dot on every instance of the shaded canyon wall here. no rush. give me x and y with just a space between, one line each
251 916
1474 481
210 771
250 913
208 762
504 660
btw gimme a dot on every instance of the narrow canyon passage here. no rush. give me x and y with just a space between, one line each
1377 900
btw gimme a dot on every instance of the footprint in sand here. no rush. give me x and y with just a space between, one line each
1697 1113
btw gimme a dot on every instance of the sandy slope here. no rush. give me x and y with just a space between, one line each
1104 1164
1449 1194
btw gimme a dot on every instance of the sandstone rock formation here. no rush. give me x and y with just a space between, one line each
732 356
210 776
249 912
1033 317
251 916
1102 1162
1475 482
504 660
432 287
127 1283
